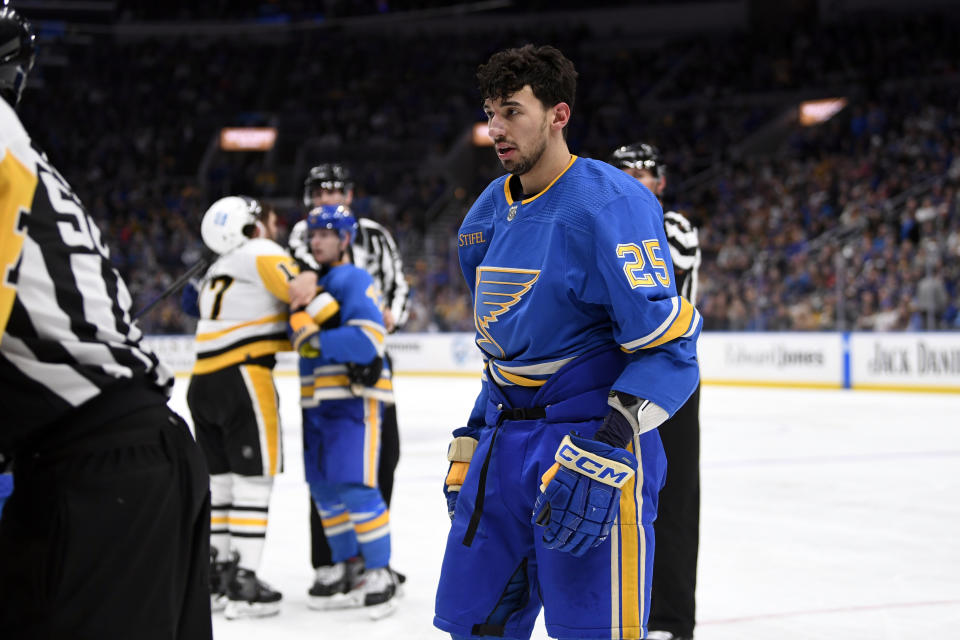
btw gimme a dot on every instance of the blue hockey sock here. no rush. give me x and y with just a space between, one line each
371 521
336 522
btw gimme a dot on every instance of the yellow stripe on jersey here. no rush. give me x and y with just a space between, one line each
276 273
323 307
264 399
520 380
374 332
214 520
506 185
17 187
240 354
676 329
213 335
679 326
376 337
321 382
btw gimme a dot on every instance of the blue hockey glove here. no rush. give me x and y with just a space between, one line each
580 494
459 453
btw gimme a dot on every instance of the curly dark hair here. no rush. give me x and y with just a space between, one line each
549 73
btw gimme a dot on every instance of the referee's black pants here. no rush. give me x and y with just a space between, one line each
677 527
106 535
320 554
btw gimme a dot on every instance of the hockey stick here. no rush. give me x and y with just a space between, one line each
198 266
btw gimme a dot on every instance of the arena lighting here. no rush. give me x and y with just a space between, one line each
480 136
816 111
247 138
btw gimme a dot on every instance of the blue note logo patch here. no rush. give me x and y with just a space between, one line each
498 291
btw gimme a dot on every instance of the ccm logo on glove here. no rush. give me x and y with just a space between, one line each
602 469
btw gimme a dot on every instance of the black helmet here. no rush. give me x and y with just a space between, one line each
17 50
639 155
326 176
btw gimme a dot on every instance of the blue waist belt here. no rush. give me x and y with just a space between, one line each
575 393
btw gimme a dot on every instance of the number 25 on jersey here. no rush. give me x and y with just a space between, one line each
636 268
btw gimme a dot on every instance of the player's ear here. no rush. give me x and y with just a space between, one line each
561 116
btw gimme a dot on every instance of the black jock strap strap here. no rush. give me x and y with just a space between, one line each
521 413
526 413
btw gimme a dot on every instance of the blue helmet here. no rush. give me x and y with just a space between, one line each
333 216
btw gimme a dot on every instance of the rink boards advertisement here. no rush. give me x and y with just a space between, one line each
872 361
892 361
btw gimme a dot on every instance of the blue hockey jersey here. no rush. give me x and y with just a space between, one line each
352 332
580 265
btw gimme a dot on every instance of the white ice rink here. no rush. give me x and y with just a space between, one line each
825 514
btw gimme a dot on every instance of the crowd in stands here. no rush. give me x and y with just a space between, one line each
855 226
852 224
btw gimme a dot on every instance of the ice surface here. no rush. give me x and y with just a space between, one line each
825 514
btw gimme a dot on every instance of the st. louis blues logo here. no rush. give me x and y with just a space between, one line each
498 289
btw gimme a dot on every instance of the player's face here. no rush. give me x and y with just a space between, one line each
519 126
647 179
321 196
326 245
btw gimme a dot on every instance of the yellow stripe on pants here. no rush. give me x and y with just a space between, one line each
373 441
264 398
631 555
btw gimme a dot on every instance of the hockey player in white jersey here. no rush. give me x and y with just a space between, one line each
243 301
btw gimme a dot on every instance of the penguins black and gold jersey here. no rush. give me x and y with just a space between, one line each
243 301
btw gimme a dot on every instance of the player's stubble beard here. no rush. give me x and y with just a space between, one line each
525 163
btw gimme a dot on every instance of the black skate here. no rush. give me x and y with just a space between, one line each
221 573
376 591
333 585
250 597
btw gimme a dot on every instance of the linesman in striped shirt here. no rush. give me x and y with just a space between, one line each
673 601
106 534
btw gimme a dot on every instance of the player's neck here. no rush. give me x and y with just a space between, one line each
552 163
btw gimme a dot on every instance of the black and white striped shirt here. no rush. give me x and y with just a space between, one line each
684 244
65 319
375 251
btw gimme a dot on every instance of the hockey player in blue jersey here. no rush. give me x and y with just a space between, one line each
340 338
552 485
